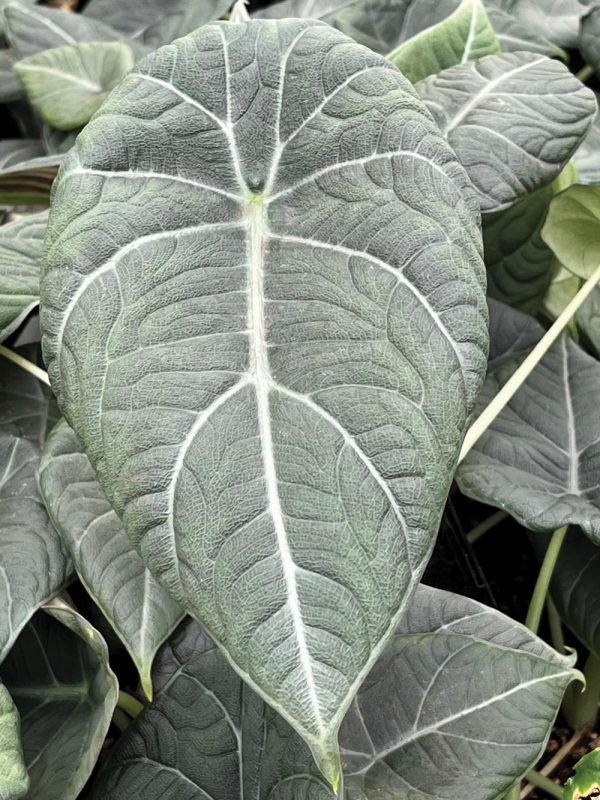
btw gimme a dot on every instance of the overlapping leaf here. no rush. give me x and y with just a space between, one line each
538 460
265 455
587 157
28 182
514 36
572 229
10 88
59 677
512 334
14 781
556 20
21 247
562 290
141 612
326 10
514 120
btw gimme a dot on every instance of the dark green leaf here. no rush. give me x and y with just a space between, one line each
538 460
512 334
59 677
28 183
21 248
514 120
514 36
265 454
141 612
14 781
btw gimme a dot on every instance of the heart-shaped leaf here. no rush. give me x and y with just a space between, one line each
271 372
141 612
512 334
519 263
514 120
68 84
34 564
455 690
59 677
21 247
538 460
572 229
14 781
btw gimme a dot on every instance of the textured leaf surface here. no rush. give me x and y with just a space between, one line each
460 688
572 229
514 36
538 460
201 705
155 22
520 265
464 35
58 142
272 372
32 29
512 334
141 612
589 37
575 586
33 563
68 84
21 247
326 10
28 182
514 120
557 20
588 321
14 781
587 157
59 677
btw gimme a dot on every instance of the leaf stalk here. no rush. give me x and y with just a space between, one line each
25 364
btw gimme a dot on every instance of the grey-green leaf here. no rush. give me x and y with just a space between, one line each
59 677
21 247
326 10
587 156
14 781
273 370
575 586
141 612
201 706
512 334
556 20
10 88
460 705
519 263
538 460
588 321
589 37
514 120
514 36
34 564
33 29
155 22
68 84
15 151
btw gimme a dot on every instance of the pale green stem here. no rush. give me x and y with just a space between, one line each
540 592
120 720
520 375
25 364
514 793
485 526
585 73
129 704
544 783
583 708
555 624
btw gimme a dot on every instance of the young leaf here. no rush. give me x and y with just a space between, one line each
514 120
575 586
585 784
35 566
454 690
572 229
28 183
562 290
464 35
326 10
513 36
512 334
519 263
59 677
31 30
156 22
233 310
538 459
21 247
201 706
141 612
14 781
68 84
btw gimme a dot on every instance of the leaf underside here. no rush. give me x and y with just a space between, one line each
265 372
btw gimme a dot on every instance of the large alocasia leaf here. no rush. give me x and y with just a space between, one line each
512 334
33 564
572 229
59 677
519 263
562 290
14 781
141 612
21 246
454 690
68 84
264 369
575 585
538 460
514 120
460 705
